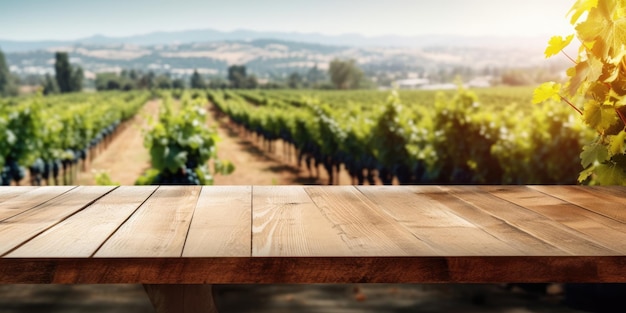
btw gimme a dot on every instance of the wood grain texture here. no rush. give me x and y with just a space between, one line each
24 200
8 192
83 233
605 231
434 223
263 270
548 230
158 228
498 228
306 234
20 228
286 222
363 226
608 205
221 223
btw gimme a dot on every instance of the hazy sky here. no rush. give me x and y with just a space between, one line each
72 19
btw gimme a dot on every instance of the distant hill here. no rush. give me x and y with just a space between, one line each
275 55
209 35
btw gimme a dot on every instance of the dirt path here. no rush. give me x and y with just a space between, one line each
256 166
125 159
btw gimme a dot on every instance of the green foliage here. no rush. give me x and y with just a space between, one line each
196 81
345 74
239 79
491 136
59 128
50 85
7 87
63 72
69 78
181 144
597 83
103 179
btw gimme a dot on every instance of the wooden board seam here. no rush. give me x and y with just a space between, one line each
452 193
40 204
402 225
251 220
58 222
190 220
574 204
122 223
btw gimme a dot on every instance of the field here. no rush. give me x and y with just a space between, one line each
483 136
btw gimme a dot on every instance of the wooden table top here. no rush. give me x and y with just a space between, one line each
312 234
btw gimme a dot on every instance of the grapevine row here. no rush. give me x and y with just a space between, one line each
181 144
453 140
50 135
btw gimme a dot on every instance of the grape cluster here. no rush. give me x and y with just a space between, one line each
184 177
11 171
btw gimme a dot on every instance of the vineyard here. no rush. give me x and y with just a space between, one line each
492 136
487 136
51 135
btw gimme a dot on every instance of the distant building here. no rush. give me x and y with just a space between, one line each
412 83
480 82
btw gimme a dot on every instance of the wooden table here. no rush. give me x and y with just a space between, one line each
177 240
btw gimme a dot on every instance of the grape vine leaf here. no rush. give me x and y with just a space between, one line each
598 116
546 91
585 174
610 174
577 75
580 7
603 25
617 144
556 44
592 153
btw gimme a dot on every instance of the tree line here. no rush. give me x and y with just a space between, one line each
341 74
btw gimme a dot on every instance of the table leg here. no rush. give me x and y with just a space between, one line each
181 298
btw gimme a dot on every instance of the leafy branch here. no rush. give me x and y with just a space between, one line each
597 81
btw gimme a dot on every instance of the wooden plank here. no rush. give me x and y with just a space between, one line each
24 201
617 191
21 228
158 228
515 237
363 226
82 234
606 231
286 222
566 238
434 223
221 223
8 192
607 205
265 270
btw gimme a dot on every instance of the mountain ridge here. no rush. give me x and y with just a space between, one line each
212 35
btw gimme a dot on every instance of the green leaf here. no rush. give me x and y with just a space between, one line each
598 91
610 174
592 153
556 44
545 91
617 143
585 174
599 117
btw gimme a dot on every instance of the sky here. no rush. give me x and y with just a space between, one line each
74 19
